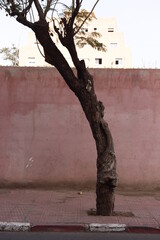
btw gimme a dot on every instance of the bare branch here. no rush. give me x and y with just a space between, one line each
24 21
25 10
32 14
56 2
47 7
39 48
74 13
57 31
39 9
86 17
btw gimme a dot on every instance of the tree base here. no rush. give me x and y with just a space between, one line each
105 200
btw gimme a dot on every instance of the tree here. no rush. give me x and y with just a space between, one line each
81 82
82 37
11 54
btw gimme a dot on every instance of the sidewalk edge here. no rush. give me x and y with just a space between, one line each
15 226
96 227
92 227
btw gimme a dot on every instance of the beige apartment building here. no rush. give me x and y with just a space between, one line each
117 55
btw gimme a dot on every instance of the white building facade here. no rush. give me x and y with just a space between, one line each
117 55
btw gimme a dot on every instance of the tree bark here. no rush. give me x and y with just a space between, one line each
106 174
106 159
105 200
83 87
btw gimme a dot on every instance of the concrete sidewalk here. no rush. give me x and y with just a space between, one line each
68 207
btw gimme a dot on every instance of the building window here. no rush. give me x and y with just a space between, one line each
118 61
110 29
113 45
31 60
98 61
84 29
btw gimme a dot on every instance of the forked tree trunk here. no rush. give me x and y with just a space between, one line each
83 87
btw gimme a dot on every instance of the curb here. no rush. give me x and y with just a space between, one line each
15 226
96 227
93 227
59 228
142 229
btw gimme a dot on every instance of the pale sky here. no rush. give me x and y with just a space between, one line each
139 20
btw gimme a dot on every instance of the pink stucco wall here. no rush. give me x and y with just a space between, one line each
45 138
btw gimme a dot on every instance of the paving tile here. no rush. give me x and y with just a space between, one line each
66 206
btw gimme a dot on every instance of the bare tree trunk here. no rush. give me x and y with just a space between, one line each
106 174
106 159
83 87
106 182
105 200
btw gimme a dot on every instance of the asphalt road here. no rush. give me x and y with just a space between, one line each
77 236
